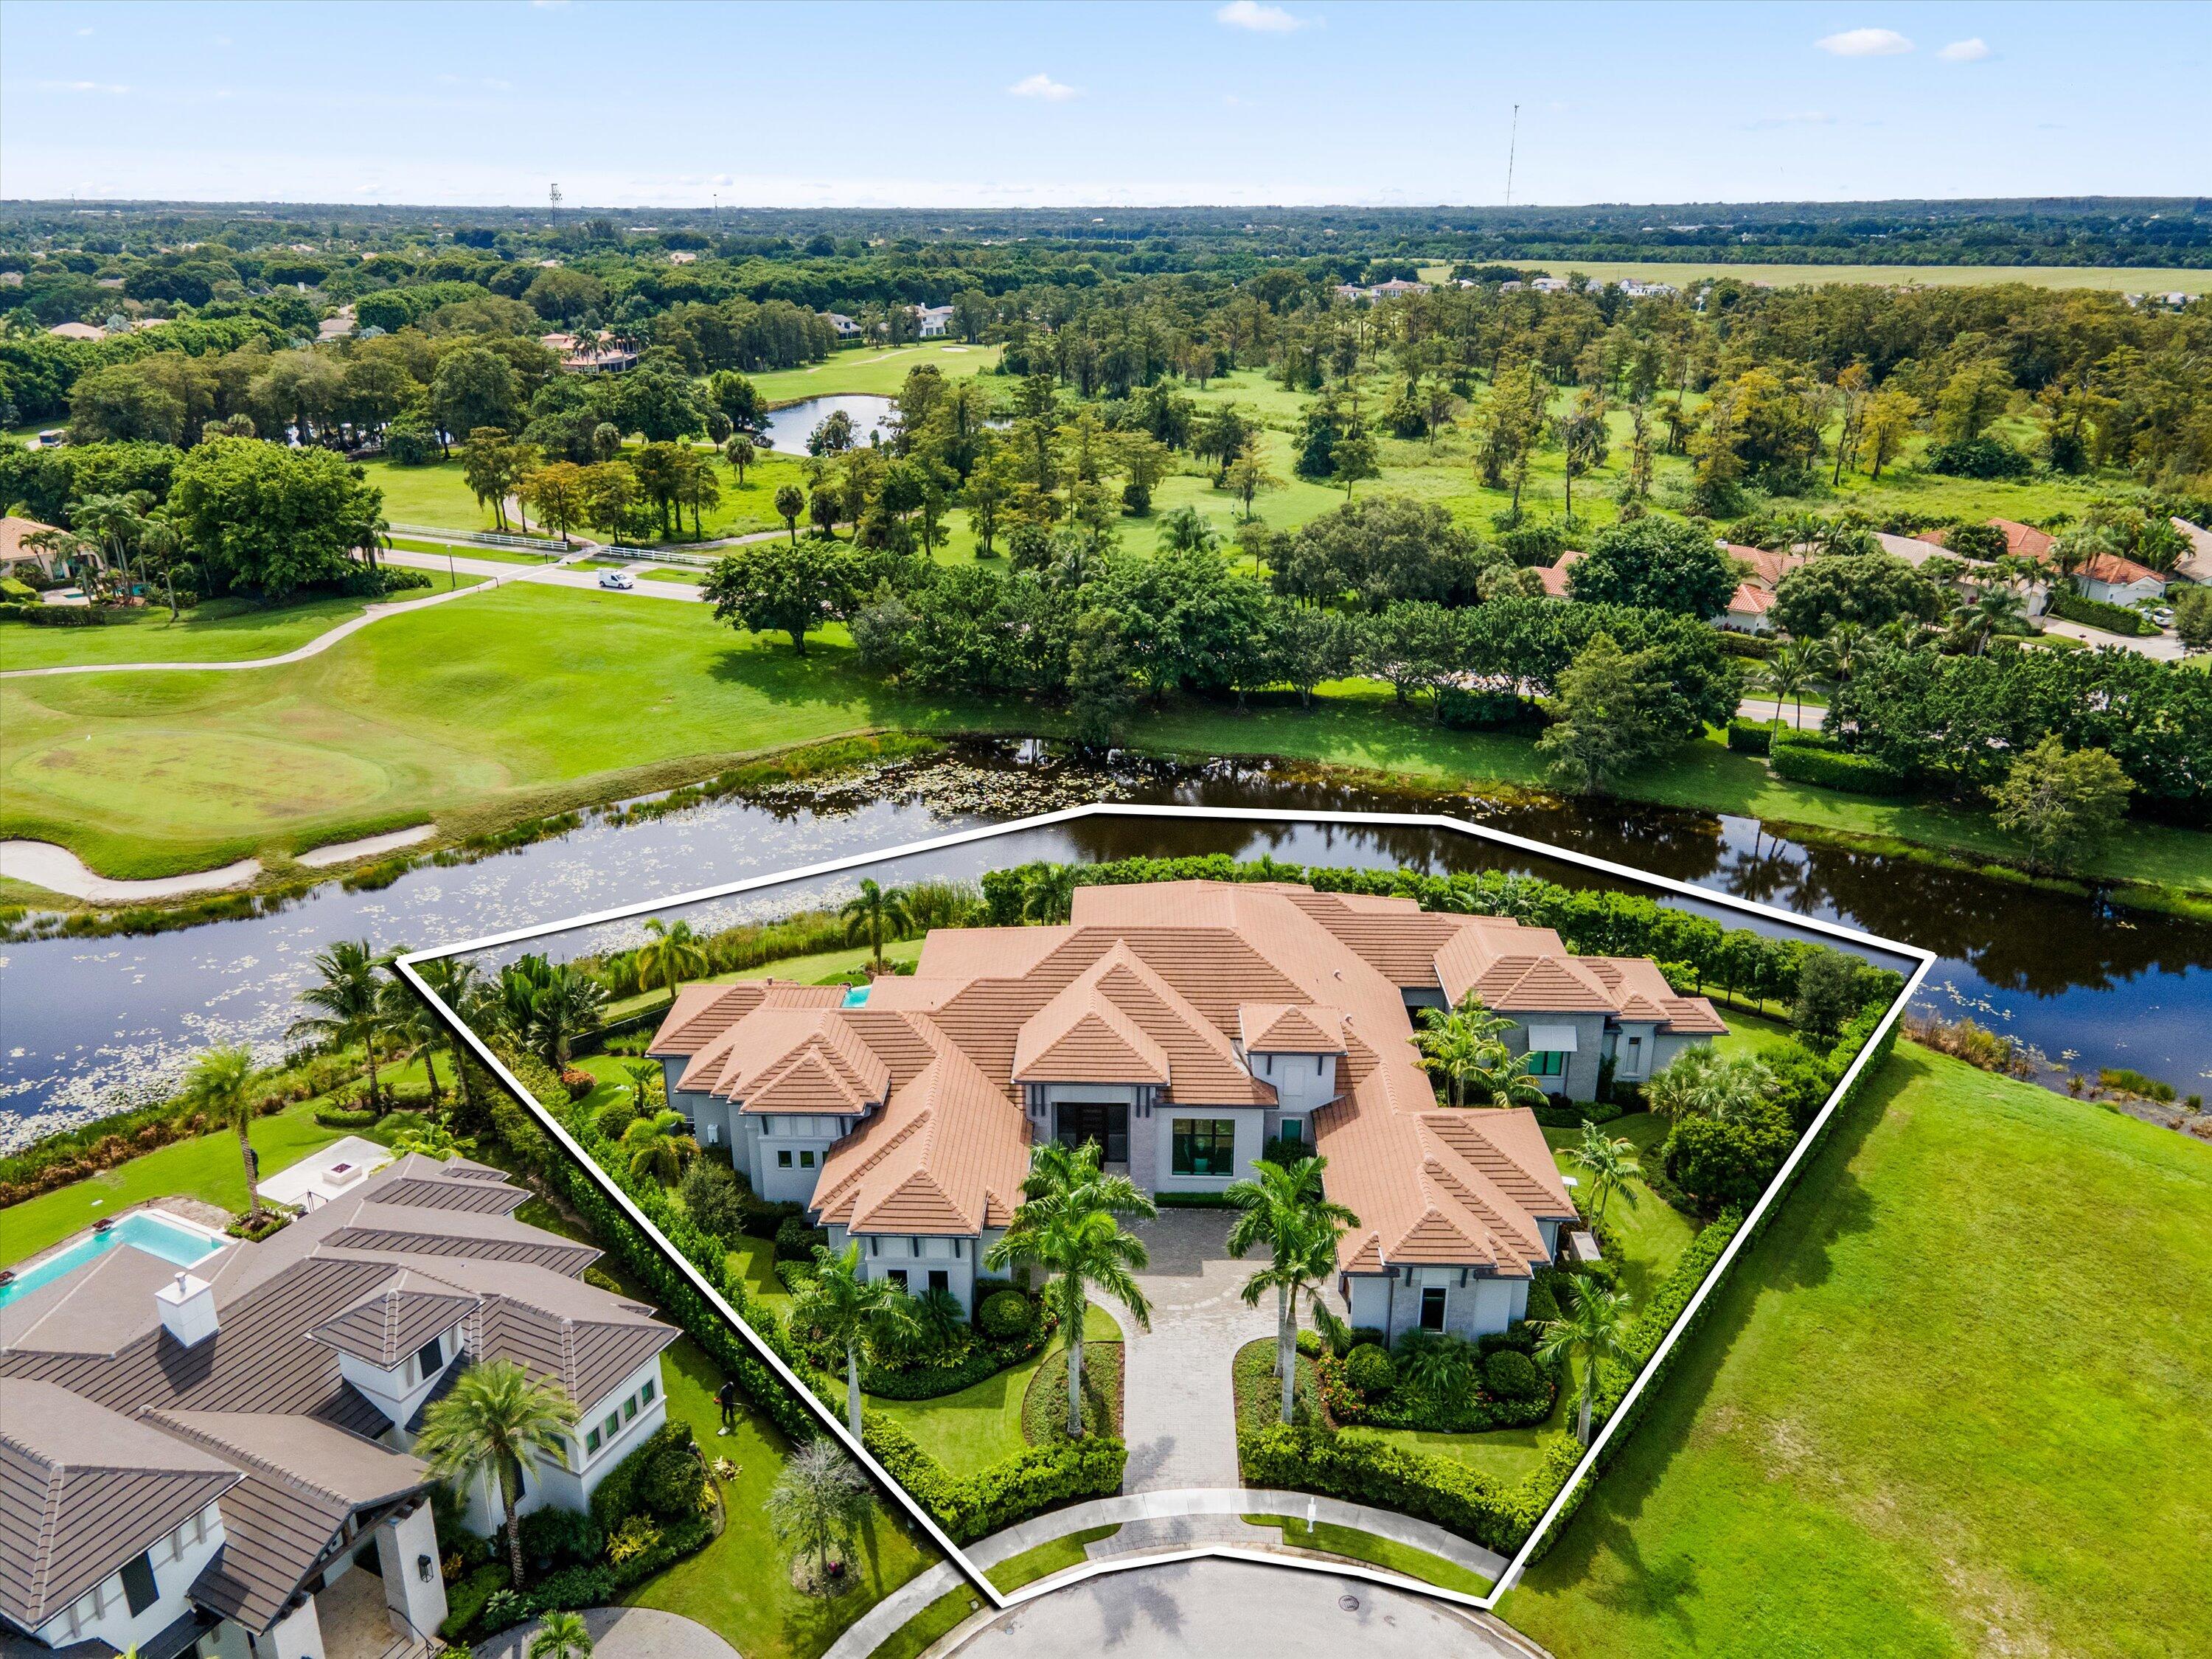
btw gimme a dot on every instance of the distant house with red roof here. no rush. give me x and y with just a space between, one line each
1554 574
2111 579
1764 569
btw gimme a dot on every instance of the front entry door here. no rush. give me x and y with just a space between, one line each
1104 1122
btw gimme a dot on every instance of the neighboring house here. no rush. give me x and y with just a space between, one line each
1182 1026
1912 549
2196 565
2112 580
1396 285
15 531
338 325
77 331
1754 598
846 327
197 1459
936 321
1554 574
607 356
2024 541
1636 290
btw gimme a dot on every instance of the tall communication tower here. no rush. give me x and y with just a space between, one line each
555 193
1512 145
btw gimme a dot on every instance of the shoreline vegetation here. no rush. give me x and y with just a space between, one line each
1444 765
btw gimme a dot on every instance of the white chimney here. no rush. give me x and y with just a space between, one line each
187 1309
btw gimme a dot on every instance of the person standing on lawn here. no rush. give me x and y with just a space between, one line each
726 1398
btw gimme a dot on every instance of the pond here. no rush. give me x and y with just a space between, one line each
94 1024
788 428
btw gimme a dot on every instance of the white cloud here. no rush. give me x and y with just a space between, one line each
108 87
1865 43
1258 18
1966 52
1042 86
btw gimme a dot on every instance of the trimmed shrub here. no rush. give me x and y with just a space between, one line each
795 1241
640 1485
1750 737
1366 1470
575 1587
1370 1369
1836 768
1310 1344
555 1537
614 1118
1006 1314
672 1480
467 1598
1575 1114
711 1197
969 1507
1511 1374
339 1117
2095 613
577 1081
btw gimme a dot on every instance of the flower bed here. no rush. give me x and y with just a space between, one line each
1044 1403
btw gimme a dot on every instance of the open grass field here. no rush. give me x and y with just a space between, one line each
1950 1402
740 1586
2115 279
521 700
221 630
1377 1552
877 369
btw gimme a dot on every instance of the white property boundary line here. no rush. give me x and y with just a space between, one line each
408 968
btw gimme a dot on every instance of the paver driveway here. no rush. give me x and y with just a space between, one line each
1179 1414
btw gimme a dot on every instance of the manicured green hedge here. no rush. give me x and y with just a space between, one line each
56 616
2095 613
1836 768
1750 737
969 1507
1365 1469
333 1117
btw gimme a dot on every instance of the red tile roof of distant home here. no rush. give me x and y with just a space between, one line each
2023 541
2118 572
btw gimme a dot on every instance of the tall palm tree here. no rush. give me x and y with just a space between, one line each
496 1422
1465 1046
405 1021
657 1145
1991 610
1847 644
459 984
547 1006
1067 1226
216 1085
876 915
818 1506
1610 1164
1284 1208
159 540
1592 1329
848 1309
346 1004
1048 893
561 1635
115 521
671 954
1790 668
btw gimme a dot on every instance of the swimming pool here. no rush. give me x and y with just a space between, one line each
856 996
141 1230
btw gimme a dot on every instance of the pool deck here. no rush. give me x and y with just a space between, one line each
195 1212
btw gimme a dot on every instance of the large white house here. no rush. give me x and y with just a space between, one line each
1182 1026
214 1458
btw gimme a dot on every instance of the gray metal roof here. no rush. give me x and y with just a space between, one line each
396 1319
83 1489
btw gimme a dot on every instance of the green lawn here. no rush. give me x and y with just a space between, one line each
877 369
221 630
929 1626
1055 1555
207 1168
461 550
1502 1454
1650 1233
806 970
740 1586
1385 1553
981 1426
1950 1402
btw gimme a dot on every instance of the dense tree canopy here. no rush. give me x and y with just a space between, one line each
260 517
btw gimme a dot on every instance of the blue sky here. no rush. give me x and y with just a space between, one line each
1251 102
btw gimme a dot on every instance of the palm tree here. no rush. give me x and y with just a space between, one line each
1462 1042
644 1077
1611 1165
495 1422
658 1146
216 1085
406 1020
1502 1078
428 1140
817 1504
561 1636
459 984
1591 1330
1790 668
1048 893
1066 1226
112 520
1439 1365
160 540
1284 1207
346 1004
672 955
875 914
548 1007
845 1309
1991 610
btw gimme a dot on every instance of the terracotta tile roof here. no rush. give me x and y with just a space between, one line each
1290 1028
1750 599
1554 574
2119 572
2023 540
703 1012
793 1053
1767 565
1083 1036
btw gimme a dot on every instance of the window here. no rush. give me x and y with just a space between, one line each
613 1424
898 1276
1432 1310
1291 1130
430 1356
1547 1062
783 1159
807 1160
645 1394
1204 1146
139 1589
630 1408
592 1440
939 1280
1635 1056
